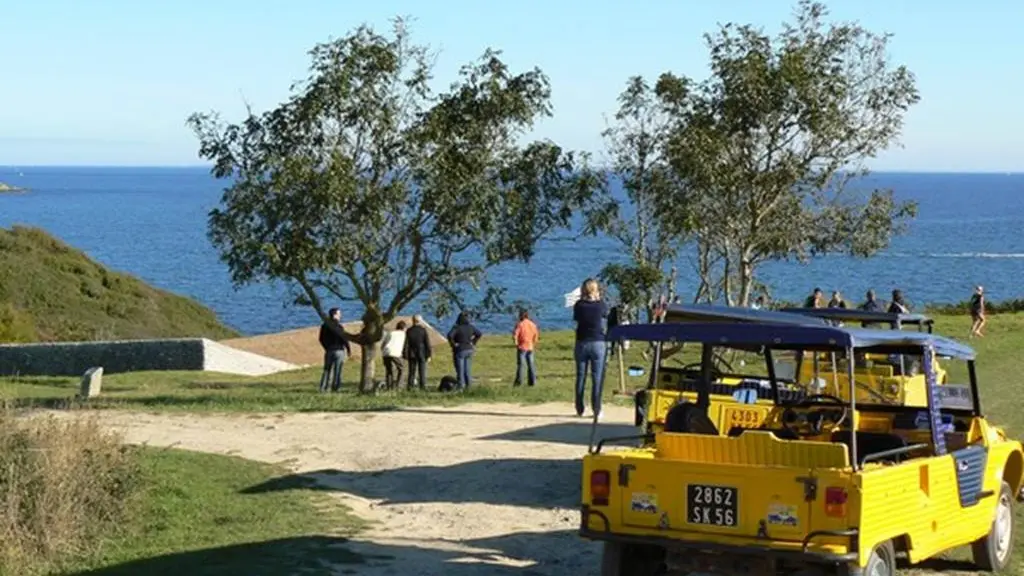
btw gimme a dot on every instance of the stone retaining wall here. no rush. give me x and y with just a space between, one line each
74 358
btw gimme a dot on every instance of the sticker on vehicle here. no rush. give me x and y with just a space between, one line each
644 502
782 514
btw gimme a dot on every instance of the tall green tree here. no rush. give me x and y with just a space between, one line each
367 186
636 142
769 145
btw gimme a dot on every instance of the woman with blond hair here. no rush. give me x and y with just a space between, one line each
589 313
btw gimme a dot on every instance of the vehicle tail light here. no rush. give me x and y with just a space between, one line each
835 501
600 487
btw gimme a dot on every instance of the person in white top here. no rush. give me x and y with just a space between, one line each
394 343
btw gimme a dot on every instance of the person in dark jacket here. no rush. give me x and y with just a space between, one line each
417 353
463 338
977 312
898 304
590 313
871 304
335 343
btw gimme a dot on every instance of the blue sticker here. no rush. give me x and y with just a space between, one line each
934 400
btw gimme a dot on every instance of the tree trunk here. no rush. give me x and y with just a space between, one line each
746 281
369 342
727 278
703 272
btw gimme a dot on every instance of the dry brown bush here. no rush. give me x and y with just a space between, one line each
65 486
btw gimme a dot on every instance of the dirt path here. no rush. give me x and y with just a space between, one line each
479 489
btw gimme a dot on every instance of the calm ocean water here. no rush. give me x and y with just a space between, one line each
151 222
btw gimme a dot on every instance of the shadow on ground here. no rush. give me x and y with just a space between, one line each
574 433
519 554
526 482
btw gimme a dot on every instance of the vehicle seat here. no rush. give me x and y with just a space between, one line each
872 443
687 417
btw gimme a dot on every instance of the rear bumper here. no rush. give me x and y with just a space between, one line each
675 545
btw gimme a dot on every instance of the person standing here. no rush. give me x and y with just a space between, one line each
393 346
589 314
417 353
977 311
815 300
837 300
898 304
336 349
871 304
526 335
463 338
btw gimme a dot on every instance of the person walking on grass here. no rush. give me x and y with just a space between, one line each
417 353
463 338
335 343
393 345
526 335
589 314
977 312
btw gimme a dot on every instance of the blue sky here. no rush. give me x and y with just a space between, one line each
111 82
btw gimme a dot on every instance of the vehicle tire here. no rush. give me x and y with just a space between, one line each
992 552
631 560
882 561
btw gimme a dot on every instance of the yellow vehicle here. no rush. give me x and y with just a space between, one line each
894 378
826 485
740 400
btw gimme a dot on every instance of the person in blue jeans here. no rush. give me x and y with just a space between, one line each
589 313
463 338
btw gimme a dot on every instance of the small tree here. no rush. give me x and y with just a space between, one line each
635 142
366 186
768 145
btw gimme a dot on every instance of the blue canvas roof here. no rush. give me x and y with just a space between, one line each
789 336
857 315
710 312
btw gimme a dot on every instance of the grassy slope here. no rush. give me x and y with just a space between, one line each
50 291
201 516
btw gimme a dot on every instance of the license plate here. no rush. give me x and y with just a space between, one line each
738 417
711 505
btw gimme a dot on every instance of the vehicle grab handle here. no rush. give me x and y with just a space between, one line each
893 452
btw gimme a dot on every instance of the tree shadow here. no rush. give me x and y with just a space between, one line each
487 413
518 554
573 433
525 482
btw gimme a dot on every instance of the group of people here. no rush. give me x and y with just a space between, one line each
401 347
410 348
898 305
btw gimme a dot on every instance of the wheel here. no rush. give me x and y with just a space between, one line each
992 552
882 561
631 560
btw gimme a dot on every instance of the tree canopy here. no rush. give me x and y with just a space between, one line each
766 148
636 142
366 185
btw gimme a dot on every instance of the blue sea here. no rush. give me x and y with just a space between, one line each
151 222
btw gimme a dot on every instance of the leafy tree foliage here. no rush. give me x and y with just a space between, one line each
367 186
636 141
768 145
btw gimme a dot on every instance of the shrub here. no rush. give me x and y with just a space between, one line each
65 486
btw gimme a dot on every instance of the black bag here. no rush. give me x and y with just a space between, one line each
448 384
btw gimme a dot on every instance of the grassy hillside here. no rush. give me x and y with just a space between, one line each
50 291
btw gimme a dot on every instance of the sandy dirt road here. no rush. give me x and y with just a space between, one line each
481 489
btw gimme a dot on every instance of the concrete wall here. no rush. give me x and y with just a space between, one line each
74 358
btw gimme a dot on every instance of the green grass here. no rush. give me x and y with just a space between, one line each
50 291
204 514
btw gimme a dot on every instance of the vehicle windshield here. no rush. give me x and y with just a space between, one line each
879 378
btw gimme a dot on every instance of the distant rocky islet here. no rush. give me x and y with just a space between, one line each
9 189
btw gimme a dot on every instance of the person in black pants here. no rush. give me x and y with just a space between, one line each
417 352
463 338
336 347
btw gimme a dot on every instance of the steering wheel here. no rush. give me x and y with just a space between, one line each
716 368
815 420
